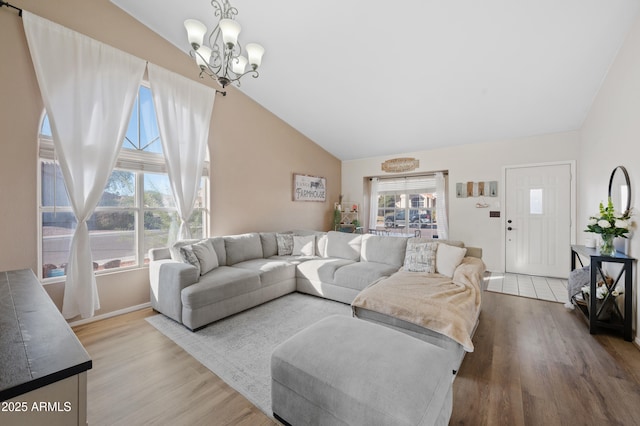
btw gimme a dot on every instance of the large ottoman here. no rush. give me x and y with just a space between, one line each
346 371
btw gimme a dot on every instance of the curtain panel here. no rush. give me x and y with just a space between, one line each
184 109
373 203
88 89
441 207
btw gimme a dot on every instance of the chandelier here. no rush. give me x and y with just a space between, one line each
223 57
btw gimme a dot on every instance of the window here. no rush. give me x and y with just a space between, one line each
407 204
137 211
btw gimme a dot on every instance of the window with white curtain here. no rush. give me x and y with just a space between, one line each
137 211
406 204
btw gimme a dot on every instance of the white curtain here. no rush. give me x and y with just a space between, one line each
88 89
441 207
373 204
184 110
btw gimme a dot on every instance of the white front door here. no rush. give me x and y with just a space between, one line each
538 220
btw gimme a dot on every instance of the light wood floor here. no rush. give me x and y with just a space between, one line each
534 363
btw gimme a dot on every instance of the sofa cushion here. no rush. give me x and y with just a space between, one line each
389 250
242 247
269 244
219 248
343 245
220 284
421 257
270 271
304 245
360 274
321 269
448 258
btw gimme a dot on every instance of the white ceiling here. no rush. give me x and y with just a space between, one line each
370 78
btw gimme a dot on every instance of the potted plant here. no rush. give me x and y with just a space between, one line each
337 218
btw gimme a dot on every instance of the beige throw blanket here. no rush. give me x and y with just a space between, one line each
449 306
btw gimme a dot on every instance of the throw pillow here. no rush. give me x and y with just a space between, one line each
448 258
304 245
206 256
176 253
189 256
420 257
285 244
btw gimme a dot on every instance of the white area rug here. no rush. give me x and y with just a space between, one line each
238 348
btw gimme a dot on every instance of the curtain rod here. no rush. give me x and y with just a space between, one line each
4 3
7 4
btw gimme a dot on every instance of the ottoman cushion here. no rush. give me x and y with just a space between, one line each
343 370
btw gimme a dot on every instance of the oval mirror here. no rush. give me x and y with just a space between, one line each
620 189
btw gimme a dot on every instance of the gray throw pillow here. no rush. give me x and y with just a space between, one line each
420 257
206 256
190 257
285 244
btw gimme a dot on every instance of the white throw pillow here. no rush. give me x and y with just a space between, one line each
304 245
448 258
206 256
420 257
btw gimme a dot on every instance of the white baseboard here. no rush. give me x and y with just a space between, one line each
637 341
110 314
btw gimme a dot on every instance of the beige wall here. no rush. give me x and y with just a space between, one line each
478 162
253 153
610 137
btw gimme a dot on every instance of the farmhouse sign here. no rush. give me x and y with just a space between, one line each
309 188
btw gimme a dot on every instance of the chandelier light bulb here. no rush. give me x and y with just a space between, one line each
255 52
230 31
239 65
202 56
195 32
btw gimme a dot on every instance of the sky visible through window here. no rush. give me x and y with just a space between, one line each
142 135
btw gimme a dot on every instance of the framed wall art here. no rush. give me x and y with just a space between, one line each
309 188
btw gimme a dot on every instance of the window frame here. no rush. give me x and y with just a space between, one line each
406 196
137 162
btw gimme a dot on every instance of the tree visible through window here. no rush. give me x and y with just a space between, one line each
136 212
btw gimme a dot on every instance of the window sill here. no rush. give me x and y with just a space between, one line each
63 278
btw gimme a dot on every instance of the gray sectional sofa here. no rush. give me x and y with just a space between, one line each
252 268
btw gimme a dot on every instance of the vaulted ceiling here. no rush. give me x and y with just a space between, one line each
369 78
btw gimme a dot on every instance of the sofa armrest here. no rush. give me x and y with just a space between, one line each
167 279
474 252
159 253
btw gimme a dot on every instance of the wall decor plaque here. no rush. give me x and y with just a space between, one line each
309 188
397 165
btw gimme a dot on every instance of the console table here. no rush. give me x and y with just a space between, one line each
43 365
595 311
